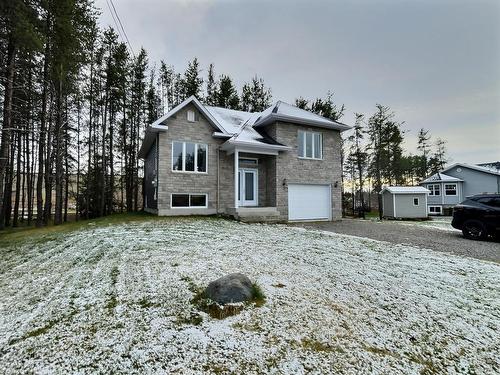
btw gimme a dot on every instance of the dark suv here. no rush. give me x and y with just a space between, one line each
478 216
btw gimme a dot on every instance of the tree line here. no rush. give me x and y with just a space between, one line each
76 101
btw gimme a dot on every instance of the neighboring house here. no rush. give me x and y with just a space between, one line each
456 182
279 164
404 202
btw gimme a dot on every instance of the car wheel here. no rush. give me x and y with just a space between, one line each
474 230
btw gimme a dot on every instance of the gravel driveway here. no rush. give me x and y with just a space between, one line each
435 235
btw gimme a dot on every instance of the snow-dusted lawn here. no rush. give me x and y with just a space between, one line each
116 299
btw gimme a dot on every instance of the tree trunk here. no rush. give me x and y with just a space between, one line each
7 123
58 131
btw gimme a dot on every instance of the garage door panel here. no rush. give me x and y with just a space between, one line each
309 202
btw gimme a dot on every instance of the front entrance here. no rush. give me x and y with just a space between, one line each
248 187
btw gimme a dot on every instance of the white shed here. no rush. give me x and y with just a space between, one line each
404 202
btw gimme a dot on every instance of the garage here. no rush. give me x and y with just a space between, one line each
309 202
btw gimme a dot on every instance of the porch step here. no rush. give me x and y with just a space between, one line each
257 214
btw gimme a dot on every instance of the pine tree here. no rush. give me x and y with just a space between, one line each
359 158
227 96
211 98
255 97
192 83
423 145
166 80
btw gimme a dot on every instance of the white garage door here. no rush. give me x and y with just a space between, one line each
308 202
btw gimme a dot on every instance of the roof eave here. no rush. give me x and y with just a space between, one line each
273 117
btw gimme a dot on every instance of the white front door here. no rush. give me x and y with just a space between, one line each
248 187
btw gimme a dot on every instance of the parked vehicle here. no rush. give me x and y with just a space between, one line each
478 216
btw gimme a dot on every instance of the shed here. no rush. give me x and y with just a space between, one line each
404 202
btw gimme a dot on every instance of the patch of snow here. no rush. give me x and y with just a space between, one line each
116 299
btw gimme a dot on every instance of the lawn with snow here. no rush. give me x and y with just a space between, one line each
116 299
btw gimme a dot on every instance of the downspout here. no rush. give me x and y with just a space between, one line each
217 205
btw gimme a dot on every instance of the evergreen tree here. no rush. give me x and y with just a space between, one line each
192 83
211 98
423 145
227 96
166 80
358 158
255 97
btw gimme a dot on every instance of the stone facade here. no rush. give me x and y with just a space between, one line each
274 172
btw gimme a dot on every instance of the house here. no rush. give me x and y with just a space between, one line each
404 202
279 164
456 182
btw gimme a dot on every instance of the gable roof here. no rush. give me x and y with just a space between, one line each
474 167
243 128
405 190
440 177
281 111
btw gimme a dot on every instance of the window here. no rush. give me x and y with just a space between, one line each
190 116
450 189
189 200
310 145
434 189
492 202
189 157
252 161
435 210
415 201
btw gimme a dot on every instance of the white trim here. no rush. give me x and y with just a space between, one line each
189 199
435 213
330 201
474 167
200 107
456 190
242 202
418 201
394 204
236 180
305 132
191 117
184 158
432 192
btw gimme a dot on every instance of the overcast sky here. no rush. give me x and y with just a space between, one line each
435 63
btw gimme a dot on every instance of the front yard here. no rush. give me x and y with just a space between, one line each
116 299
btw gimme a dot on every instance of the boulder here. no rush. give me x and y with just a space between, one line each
232 288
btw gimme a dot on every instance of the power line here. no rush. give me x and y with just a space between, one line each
123 29
114 20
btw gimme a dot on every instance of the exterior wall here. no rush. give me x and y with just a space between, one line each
445 200
387 204
475 182
291 169
179 129
406 209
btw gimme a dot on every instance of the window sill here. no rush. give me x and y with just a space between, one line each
189 172
190 208
306 158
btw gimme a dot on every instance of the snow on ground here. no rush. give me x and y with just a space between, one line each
434 222
116 299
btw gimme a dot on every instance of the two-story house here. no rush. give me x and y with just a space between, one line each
280 164
456 182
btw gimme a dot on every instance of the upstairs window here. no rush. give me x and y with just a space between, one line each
435 190
189 157
191 116
450 189
310 145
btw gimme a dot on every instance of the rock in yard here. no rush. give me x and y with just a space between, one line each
232 288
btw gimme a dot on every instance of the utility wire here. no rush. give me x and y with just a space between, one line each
115 22
123 29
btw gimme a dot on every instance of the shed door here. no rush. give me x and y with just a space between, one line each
309 202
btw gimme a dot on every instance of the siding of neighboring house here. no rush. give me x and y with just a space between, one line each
387 204
475 182
290 169
200 131
150 182
443 199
